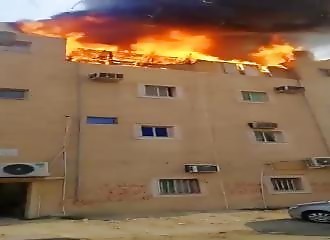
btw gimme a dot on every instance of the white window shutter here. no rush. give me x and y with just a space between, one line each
141 90
177 134
179 92
137 131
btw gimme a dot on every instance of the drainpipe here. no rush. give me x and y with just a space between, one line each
39 206
78 159
65 144
262 186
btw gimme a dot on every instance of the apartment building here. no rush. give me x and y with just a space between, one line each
83 139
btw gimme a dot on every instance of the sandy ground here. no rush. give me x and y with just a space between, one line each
233 225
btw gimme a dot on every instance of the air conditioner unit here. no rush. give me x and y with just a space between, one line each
263 125
318 162
23 170
201 168
106 77
289 89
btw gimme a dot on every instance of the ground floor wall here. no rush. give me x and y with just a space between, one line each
219 191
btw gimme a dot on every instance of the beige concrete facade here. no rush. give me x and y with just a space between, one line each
111 170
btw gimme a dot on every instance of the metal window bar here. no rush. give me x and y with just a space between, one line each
293 185
163 91
187 187
181 187
285 184
175 185
276 185
168 187
264 137
178 186
282 184
154 132
172 186
250 97
151 91
162 190
270 138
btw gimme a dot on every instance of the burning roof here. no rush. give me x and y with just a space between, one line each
100 39
168 31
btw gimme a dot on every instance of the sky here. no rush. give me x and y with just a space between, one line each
13 10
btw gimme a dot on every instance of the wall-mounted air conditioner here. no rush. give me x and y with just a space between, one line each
263 125
201 168
289 89
20 170
106 77
318 162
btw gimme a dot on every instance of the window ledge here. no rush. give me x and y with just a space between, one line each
19 99
179 196
298 192
272 143
250 102
154 97
155 138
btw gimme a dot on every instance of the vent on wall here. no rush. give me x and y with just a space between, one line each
19 170
263 125
201 168
106 77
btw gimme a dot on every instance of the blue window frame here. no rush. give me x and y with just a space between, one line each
161 132
8 93
147 131
156 132
102 120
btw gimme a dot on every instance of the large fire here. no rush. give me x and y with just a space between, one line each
153 45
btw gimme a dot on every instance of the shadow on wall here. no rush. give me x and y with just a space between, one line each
290 227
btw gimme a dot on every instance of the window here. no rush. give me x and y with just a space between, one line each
18 46
269 136
7 93
287 184
157 131
102 120
251 70
179 186
231 68
254 96
325 72
159 91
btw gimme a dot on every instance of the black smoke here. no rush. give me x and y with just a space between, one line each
247 15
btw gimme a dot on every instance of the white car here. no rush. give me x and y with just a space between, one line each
318 212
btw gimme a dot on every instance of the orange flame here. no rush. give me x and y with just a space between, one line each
167 47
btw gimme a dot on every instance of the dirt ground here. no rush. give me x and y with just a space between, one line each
233 225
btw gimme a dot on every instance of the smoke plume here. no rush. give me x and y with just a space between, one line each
251 15
235 27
